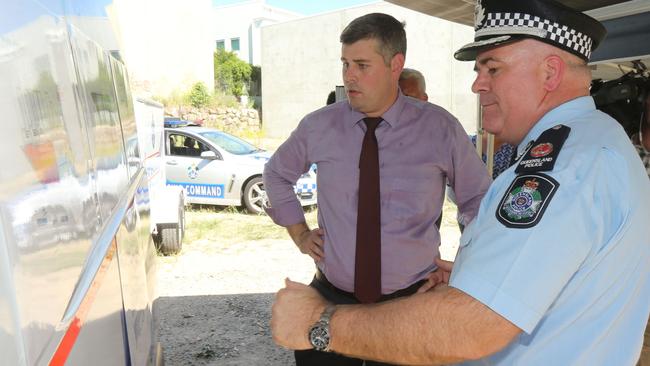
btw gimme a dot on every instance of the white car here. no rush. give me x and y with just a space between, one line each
217 168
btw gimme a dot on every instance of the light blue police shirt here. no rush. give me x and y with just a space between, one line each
578 282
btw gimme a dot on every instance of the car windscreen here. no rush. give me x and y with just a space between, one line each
229 143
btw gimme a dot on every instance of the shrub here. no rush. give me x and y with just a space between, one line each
199 95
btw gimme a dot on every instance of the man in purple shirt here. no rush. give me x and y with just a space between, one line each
421 146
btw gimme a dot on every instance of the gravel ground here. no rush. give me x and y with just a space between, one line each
215 300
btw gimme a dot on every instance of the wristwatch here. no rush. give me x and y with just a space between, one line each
319 333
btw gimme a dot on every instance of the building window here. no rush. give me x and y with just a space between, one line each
234 44
221 44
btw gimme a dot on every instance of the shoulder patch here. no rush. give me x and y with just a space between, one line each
544 151
526 199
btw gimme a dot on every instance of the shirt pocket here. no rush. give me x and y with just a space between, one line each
410 198
413 185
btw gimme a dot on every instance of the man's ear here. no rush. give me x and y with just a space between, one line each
554 68
397 64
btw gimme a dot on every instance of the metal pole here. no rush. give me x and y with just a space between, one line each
479 129
490 153
480 132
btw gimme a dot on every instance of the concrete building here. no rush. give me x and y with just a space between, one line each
237 27
301 64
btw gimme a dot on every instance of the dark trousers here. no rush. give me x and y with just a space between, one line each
337 296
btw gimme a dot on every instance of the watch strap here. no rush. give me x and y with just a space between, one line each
326 315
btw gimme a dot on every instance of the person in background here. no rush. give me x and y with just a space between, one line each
383 160
331 98
641 142
555 269
503 154
412 84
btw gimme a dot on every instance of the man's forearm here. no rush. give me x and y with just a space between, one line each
296 231
284 207
437 327
468 210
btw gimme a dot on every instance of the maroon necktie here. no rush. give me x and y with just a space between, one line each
367 270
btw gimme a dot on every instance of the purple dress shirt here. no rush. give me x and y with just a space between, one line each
421 147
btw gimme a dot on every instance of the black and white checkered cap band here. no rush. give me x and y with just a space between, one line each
520 23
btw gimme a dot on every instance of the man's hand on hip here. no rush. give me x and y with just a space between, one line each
439 276
311 243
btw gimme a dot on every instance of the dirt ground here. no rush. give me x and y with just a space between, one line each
215 300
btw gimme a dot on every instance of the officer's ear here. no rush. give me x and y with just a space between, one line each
553 68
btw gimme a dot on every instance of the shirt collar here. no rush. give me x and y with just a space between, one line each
558 115
391 116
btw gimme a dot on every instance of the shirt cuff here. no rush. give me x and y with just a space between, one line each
286 214
496 299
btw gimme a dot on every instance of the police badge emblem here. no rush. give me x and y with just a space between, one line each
523 202
192 171
479 15
526 200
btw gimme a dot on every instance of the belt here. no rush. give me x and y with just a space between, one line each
320 277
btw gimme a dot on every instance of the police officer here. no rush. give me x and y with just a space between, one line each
555 269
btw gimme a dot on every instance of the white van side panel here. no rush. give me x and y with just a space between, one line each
77 263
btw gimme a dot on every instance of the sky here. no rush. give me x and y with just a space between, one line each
304 7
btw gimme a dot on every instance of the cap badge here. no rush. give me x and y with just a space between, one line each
479 14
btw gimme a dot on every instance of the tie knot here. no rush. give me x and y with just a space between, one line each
372 122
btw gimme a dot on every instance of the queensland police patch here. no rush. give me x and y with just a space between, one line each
526 200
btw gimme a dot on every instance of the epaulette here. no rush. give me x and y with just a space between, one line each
531 191
542 155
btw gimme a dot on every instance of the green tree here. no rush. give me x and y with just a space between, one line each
231 74
256 81
199 95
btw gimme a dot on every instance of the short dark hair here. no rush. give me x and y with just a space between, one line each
331 97
388 31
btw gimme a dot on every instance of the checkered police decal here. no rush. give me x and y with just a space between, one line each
519 23
305 188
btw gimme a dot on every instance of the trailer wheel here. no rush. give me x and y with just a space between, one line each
255 196
169 239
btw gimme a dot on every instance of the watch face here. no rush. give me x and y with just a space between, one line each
319 337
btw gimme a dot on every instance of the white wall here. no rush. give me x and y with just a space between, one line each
166 44
301 64
244 21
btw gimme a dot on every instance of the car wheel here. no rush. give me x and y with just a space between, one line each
169 239
255 196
